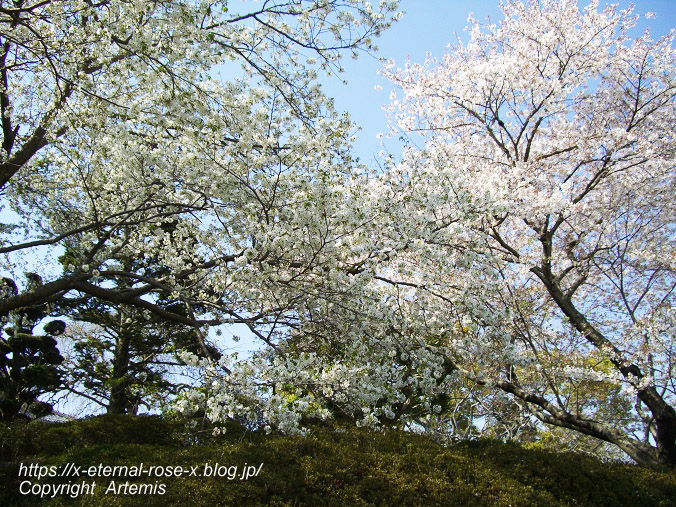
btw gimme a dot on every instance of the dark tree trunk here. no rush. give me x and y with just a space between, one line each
663 413
119 402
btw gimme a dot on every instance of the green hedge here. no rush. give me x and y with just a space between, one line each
329 467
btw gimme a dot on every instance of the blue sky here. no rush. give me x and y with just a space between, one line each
428 26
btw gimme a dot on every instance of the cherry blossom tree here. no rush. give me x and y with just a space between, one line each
123 140
119 141
522 246
532 217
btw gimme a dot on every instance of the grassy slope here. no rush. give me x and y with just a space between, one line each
349 467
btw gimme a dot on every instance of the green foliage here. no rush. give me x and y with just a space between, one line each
332 466
29 363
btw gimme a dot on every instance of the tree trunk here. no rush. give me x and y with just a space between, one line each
663 413
119 402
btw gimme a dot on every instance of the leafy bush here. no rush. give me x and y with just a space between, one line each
331 466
